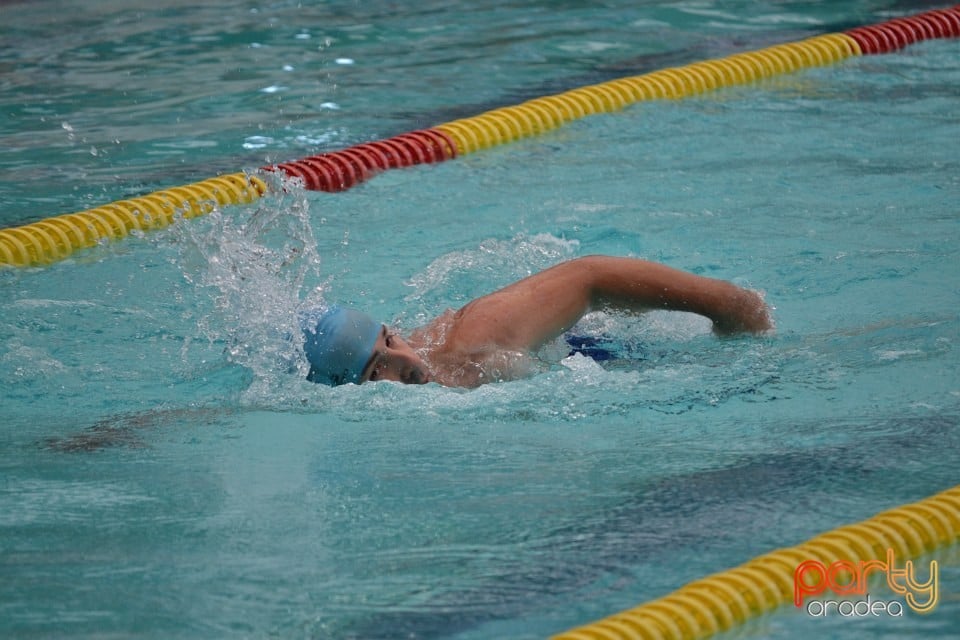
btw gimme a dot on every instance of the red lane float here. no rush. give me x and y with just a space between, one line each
898 33
341 170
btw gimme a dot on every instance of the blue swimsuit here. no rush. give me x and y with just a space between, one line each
591 347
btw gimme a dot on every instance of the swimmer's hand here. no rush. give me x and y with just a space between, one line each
744 312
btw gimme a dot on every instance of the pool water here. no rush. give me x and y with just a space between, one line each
166 471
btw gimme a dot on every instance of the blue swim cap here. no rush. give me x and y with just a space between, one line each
338 343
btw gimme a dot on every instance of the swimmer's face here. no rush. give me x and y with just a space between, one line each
393 359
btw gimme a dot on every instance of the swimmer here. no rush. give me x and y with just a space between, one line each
490 338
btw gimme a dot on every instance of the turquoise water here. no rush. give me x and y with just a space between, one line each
163 473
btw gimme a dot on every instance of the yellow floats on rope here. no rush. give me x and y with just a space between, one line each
724 600
536 116
56 238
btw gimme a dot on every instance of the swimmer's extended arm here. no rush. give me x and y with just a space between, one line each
533 311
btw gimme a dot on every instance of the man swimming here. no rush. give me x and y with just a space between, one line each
492 337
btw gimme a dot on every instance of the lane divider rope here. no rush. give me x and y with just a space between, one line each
536 116
719 602
58 237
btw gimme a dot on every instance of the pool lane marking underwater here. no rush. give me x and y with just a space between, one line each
721 601
56 238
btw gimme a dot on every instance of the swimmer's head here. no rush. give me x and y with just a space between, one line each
339 344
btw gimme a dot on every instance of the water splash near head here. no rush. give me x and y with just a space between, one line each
258 265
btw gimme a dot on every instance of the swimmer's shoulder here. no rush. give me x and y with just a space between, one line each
433 335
